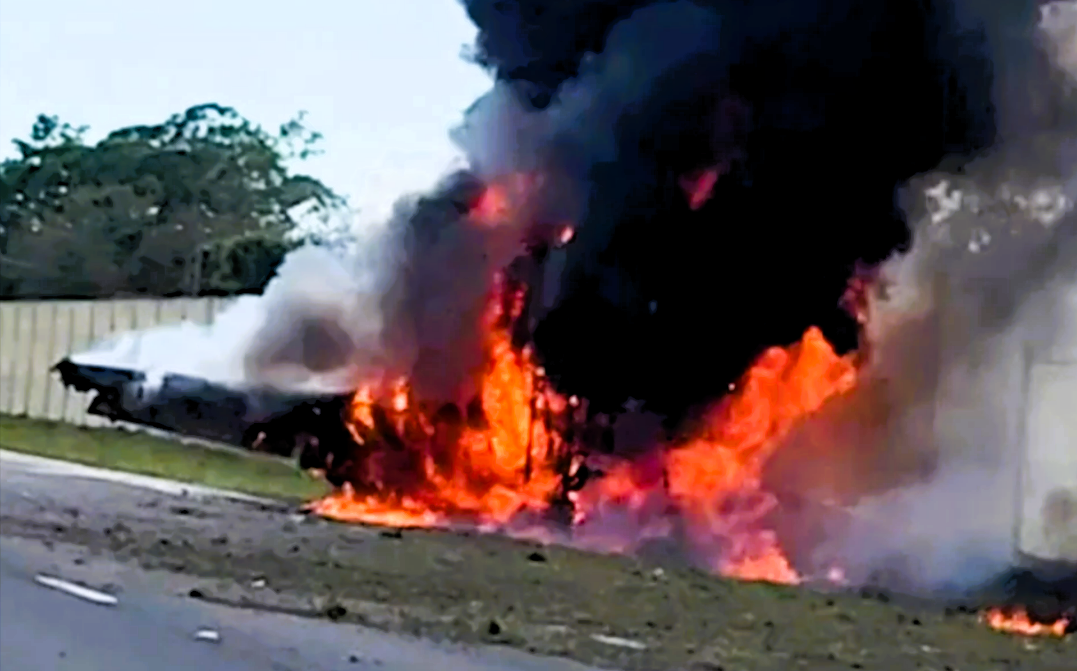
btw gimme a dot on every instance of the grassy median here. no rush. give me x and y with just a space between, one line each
138 452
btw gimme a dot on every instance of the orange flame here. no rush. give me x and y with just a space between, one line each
488 475
492 205
721 470
710 483
1018 621
715 478
506 464
500 199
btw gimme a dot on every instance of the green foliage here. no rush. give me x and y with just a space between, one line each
200 203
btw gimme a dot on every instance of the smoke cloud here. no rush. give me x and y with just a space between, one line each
933 486
811 119
624 104
931 452
316 325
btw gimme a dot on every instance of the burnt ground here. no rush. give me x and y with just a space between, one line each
481 589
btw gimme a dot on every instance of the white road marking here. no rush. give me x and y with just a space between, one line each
85 593
619 642
207 635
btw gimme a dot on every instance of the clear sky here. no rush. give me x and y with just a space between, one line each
382 80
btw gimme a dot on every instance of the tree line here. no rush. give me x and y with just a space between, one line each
202 203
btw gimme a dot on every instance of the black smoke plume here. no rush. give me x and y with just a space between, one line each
814 111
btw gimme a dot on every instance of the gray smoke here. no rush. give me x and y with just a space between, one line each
439 289
931 456
316 328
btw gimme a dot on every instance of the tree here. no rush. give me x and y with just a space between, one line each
200 203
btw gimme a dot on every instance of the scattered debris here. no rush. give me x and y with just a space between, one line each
258 583
84 593
336 612
356 659
619 642
209 635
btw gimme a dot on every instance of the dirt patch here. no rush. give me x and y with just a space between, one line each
606 611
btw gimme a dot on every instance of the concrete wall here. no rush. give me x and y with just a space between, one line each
34 335
1010 402
1048 501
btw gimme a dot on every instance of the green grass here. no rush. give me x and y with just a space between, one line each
149 455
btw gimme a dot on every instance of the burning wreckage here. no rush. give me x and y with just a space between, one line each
641 320
267 421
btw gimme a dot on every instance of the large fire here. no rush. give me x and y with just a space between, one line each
511 465
513 460
435 470
504 462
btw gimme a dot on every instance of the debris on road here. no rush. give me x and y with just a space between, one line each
619 642
78 591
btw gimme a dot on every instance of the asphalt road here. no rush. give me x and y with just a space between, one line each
43 629
153 625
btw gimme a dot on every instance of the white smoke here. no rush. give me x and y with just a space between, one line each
989 288
942 484
316 328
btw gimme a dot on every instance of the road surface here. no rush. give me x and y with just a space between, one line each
285 591
42 629
154 625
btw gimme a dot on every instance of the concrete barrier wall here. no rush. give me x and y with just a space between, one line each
34 335
1017 391
1049 472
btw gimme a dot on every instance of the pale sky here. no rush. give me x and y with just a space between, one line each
382 80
